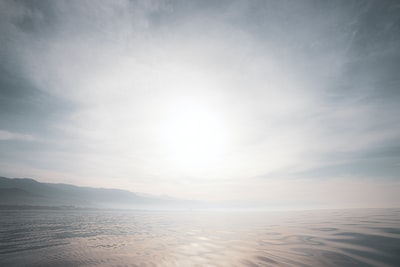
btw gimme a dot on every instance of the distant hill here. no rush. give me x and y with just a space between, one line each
16 196
24 191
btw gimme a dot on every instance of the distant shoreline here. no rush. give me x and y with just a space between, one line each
35 207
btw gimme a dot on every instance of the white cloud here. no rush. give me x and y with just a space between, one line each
124 70
6 135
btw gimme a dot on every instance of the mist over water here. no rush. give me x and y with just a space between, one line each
200 238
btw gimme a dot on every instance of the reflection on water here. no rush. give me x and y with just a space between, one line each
200 238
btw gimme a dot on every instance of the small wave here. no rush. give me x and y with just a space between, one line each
167 239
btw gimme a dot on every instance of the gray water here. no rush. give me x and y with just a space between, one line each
200 238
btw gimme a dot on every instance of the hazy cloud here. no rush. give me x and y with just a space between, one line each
305 89
5 135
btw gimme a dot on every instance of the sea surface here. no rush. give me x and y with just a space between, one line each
200 238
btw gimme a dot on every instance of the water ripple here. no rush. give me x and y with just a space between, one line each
114 238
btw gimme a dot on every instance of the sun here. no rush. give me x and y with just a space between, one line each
194 136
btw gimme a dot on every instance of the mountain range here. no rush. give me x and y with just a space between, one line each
29 192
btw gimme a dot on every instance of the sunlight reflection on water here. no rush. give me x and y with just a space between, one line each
200 238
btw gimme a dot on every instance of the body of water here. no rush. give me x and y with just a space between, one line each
200 238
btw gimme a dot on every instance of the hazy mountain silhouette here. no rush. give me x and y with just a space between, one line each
24 191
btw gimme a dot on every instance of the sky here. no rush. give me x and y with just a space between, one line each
269 103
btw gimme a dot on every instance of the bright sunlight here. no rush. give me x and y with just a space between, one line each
195 137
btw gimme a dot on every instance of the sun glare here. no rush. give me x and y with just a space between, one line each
195 137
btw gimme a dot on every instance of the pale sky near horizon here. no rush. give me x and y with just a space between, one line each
280 103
